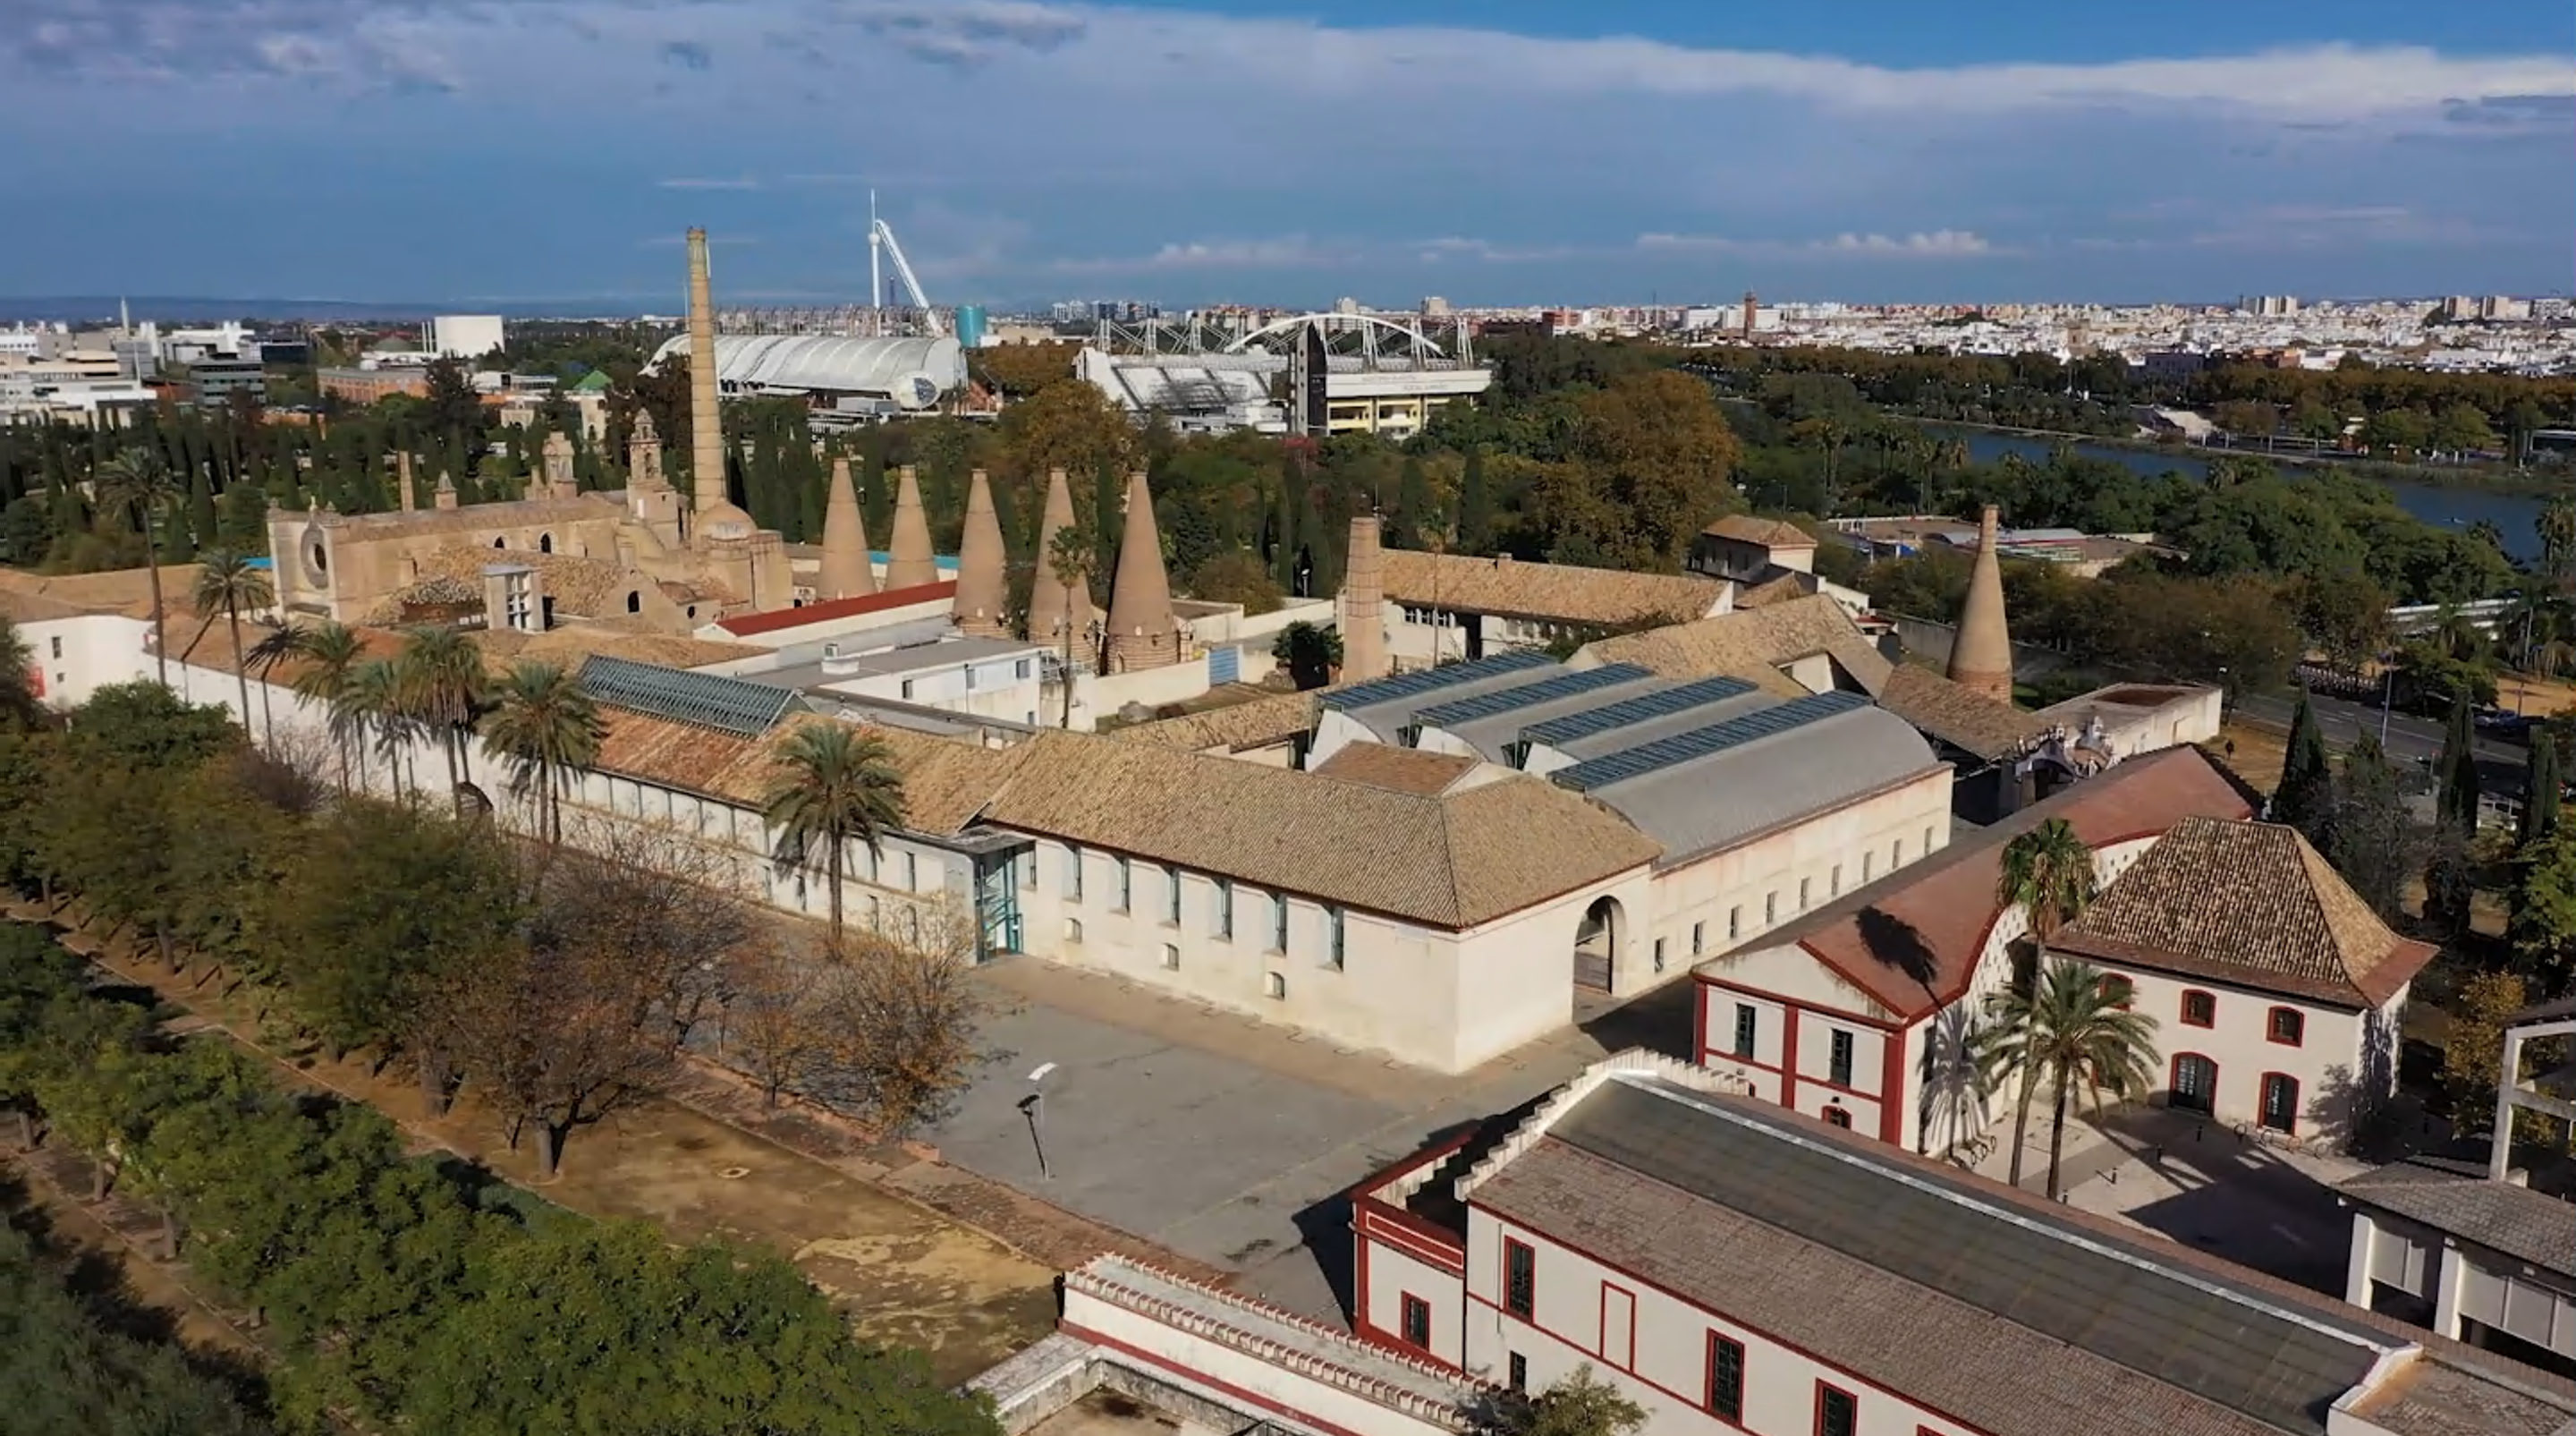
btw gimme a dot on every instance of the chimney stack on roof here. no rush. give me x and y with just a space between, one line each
1142 632
644 455
445 495
706 418
910 564
1362 614
1981 652
983 585
847 571
402 478
1055 608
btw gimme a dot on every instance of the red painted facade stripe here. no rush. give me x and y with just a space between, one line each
1450 1260
750 624
1891 1089
1375 1214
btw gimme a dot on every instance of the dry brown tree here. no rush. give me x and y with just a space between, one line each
896 1019
768 1025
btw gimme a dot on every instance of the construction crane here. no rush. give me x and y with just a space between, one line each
881 240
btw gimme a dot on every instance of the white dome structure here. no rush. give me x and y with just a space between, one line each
912 373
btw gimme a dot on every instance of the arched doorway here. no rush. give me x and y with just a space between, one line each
2195 1084
1596 944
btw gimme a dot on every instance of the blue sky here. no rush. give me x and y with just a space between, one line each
1291 151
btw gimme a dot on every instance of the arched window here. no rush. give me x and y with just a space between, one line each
2286 1026
2199 1009
2280 1103
500 543
1839 1117
2195 1084
634 600
545 543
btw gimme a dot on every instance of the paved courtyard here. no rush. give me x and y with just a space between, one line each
1210 1134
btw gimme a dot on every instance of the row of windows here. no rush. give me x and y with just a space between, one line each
2193 1087
1020 672
1839 1048
2283 1026
1837 1410
1807 890
1221 925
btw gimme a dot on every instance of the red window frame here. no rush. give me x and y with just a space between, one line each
1527 1308
1719 1342
2263 1103
1408 1308
1825 1391
2298 1027
2211 998
2115 985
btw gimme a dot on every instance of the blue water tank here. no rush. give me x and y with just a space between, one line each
970 325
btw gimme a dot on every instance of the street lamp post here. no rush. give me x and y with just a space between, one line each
1033 1107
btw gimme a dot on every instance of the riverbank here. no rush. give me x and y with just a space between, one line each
2195 459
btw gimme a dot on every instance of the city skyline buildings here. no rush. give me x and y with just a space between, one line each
1240 150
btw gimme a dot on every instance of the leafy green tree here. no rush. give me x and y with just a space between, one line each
227 583
1581 1404
20 708
66 1371
548 731
2047 873
2542 931
139 480
385 904
835 786
2370 839
2305 797
2557 526
146 726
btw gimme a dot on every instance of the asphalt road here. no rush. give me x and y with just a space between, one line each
2410 739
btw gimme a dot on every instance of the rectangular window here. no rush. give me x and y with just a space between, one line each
1126 883
1021 670
1838 1065
1073 872
1024 870
1415 1324
1735 922
2199 1009
58 646
1803 885
970 677
1517 1372
1072 929
2287 1026
907 688
1520 1279
1171 957
1699 938
1224 910
1659 954
1725 1377
1172 896
1748 1027
1837 888
1770 908
912 872
1896 855
1333 928
1868 864
1837 1414
1927 840
1278 922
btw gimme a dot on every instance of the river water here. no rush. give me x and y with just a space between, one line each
2515 515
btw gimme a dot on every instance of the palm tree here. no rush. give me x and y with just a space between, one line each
231 582
2071 1027
2557 525
374 700
2048 873
274 648
546 729
140 479
835 785
441 682
333 652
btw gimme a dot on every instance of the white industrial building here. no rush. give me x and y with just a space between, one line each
907 374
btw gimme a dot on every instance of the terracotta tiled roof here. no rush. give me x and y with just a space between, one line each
125 590
588 587
2249 903
1256 723
1398 770
569 645
511 513
1768 637
1770 533
2459 1199
1785 588
1953 714
1911 940
1450 862
1547 592
946 782
752 623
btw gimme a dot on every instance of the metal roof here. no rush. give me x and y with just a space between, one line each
1431 680
1702 742
832 363
1635 710
728 705
1546 690
2220 1340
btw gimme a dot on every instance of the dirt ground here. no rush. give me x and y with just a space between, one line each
2253 754
901 1272
68 1224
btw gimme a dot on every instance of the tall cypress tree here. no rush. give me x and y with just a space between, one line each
2540 790
1107 508
2458 769
2306 793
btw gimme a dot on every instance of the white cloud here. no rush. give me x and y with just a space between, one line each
707 182
1938 244
1932 244
1287 252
